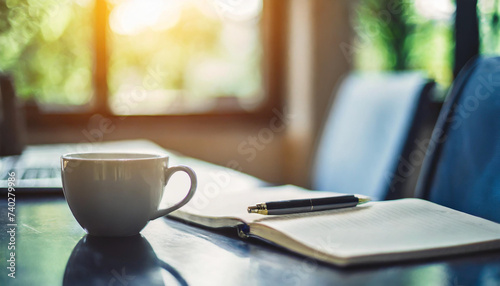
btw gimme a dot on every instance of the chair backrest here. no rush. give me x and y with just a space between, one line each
462 167
366 131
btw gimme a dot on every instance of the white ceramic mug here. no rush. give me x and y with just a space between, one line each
117 194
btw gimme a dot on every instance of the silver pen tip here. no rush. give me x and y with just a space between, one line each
363 199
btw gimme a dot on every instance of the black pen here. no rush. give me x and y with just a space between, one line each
308 205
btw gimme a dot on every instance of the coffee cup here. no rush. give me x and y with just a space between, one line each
117 194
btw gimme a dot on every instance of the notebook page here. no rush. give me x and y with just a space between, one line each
230 207
377 228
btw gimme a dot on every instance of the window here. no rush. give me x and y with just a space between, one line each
133 57
46 46
402 35
489 26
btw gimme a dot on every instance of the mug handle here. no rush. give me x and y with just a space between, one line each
168 173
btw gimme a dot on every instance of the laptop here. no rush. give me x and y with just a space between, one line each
37 170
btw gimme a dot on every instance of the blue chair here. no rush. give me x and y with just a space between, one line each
462 166
367 130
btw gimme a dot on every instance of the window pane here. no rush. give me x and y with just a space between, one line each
46 46
181 56
489 26
405 35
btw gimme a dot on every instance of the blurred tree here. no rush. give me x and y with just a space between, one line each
44 44
387 26
489 26
405 35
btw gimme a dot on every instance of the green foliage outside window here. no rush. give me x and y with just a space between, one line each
45 46
489 26
416 35
405 35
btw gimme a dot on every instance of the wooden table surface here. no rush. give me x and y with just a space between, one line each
52 249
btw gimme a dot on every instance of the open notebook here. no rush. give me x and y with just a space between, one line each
370 233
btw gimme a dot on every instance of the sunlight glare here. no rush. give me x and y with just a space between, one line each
134 16
441 10
238 10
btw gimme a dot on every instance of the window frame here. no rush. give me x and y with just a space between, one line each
273 35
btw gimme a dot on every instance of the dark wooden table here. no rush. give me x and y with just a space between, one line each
52 249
